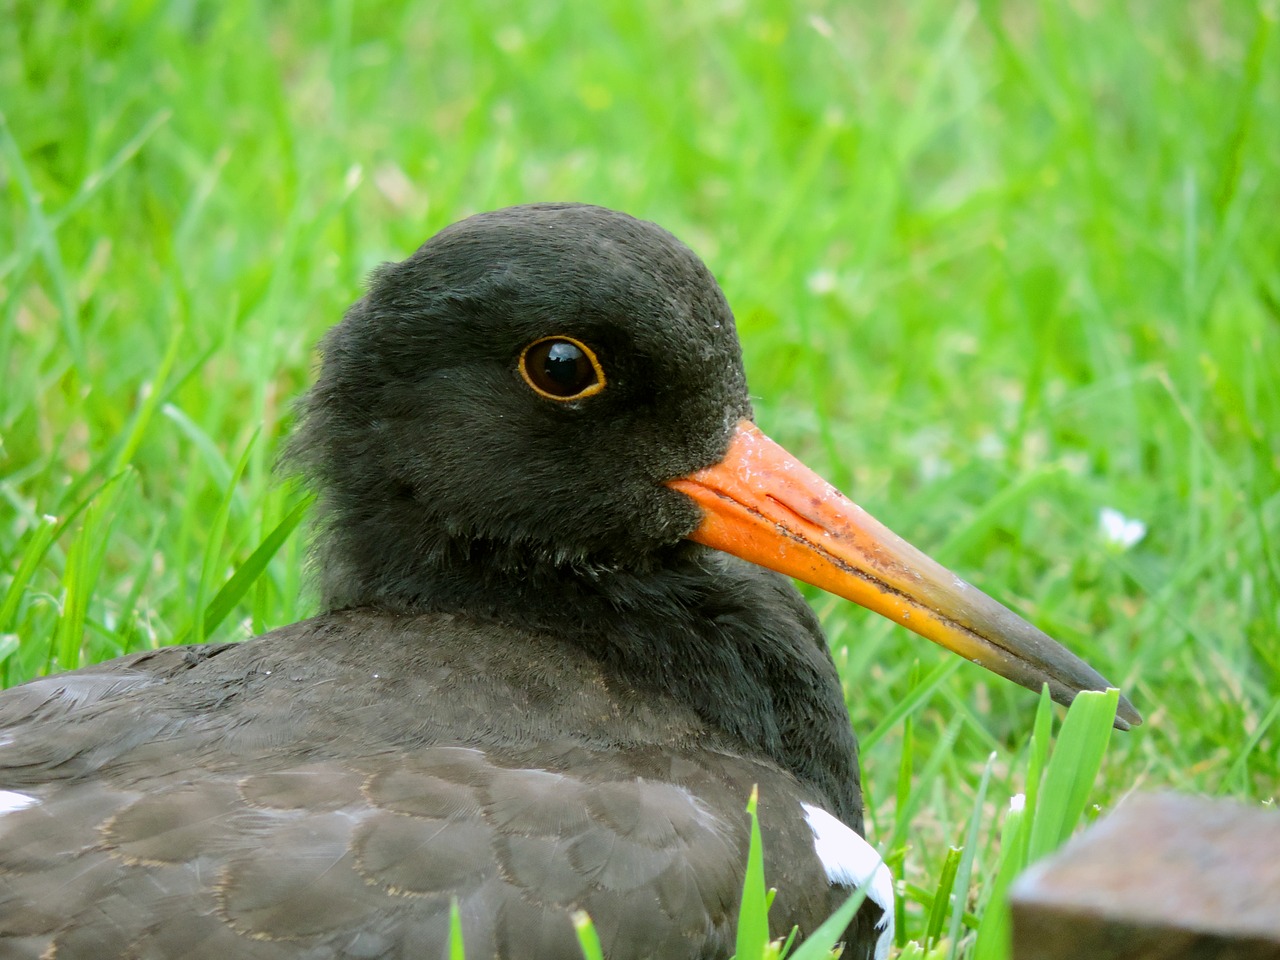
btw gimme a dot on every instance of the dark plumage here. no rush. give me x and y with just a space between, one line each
531 692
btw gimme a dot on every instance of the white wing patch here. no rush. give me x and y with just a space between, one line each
852 862
11 802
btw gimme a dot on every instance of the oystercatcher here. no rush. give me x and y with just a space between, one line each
555 657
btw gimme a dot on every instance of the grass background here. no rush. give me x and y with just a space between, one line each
996 266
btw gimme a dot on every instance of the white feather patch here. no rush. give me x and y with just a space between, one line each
11 802
852 862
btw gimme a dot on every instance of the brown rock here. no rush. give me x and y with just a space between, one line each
1164 876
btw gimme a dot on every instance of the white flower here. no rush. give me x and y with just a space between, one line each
1118 530
822 282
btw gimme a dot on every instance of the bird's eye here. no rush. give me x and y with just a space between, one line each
561 368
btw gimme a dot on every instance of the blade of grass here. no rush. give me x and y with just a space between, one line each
941 907
39 539
965 870
1057 793
210 452
906 764
152 392
918 694
1237 776
919 895
588 939
457 949
994 940
1072 768
238 584
44 245
753 911
1037 758
84 564
820 944
942 752
213 546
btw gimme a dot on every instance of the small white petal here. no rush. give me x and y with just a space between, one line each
1119 530
821 281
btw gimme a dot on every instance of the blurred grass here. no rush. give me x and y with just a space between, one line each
997 266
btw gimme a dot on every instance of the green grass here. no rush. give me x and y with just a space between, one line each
997 266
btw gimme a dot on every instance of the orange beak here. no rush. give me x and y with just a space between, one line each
763 505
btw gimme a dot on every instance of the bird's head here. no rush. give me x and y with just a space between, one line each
529 376
564 383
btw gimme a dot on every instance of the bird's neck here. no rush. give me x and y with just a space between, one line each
731 641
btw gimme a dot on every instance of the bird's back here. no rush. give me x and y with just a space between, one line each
329 789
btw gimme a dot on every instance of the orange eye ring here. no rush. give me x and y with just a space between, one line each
561 368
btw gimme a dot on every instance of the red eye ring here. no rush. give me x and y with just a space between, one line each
561 368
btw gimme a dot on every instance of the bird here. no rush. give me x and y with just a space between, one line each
559 649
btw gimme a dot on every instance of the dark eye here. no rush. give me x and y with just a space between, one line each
561 368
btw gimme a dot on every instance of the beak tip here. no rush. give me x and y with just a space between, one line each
1127 715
